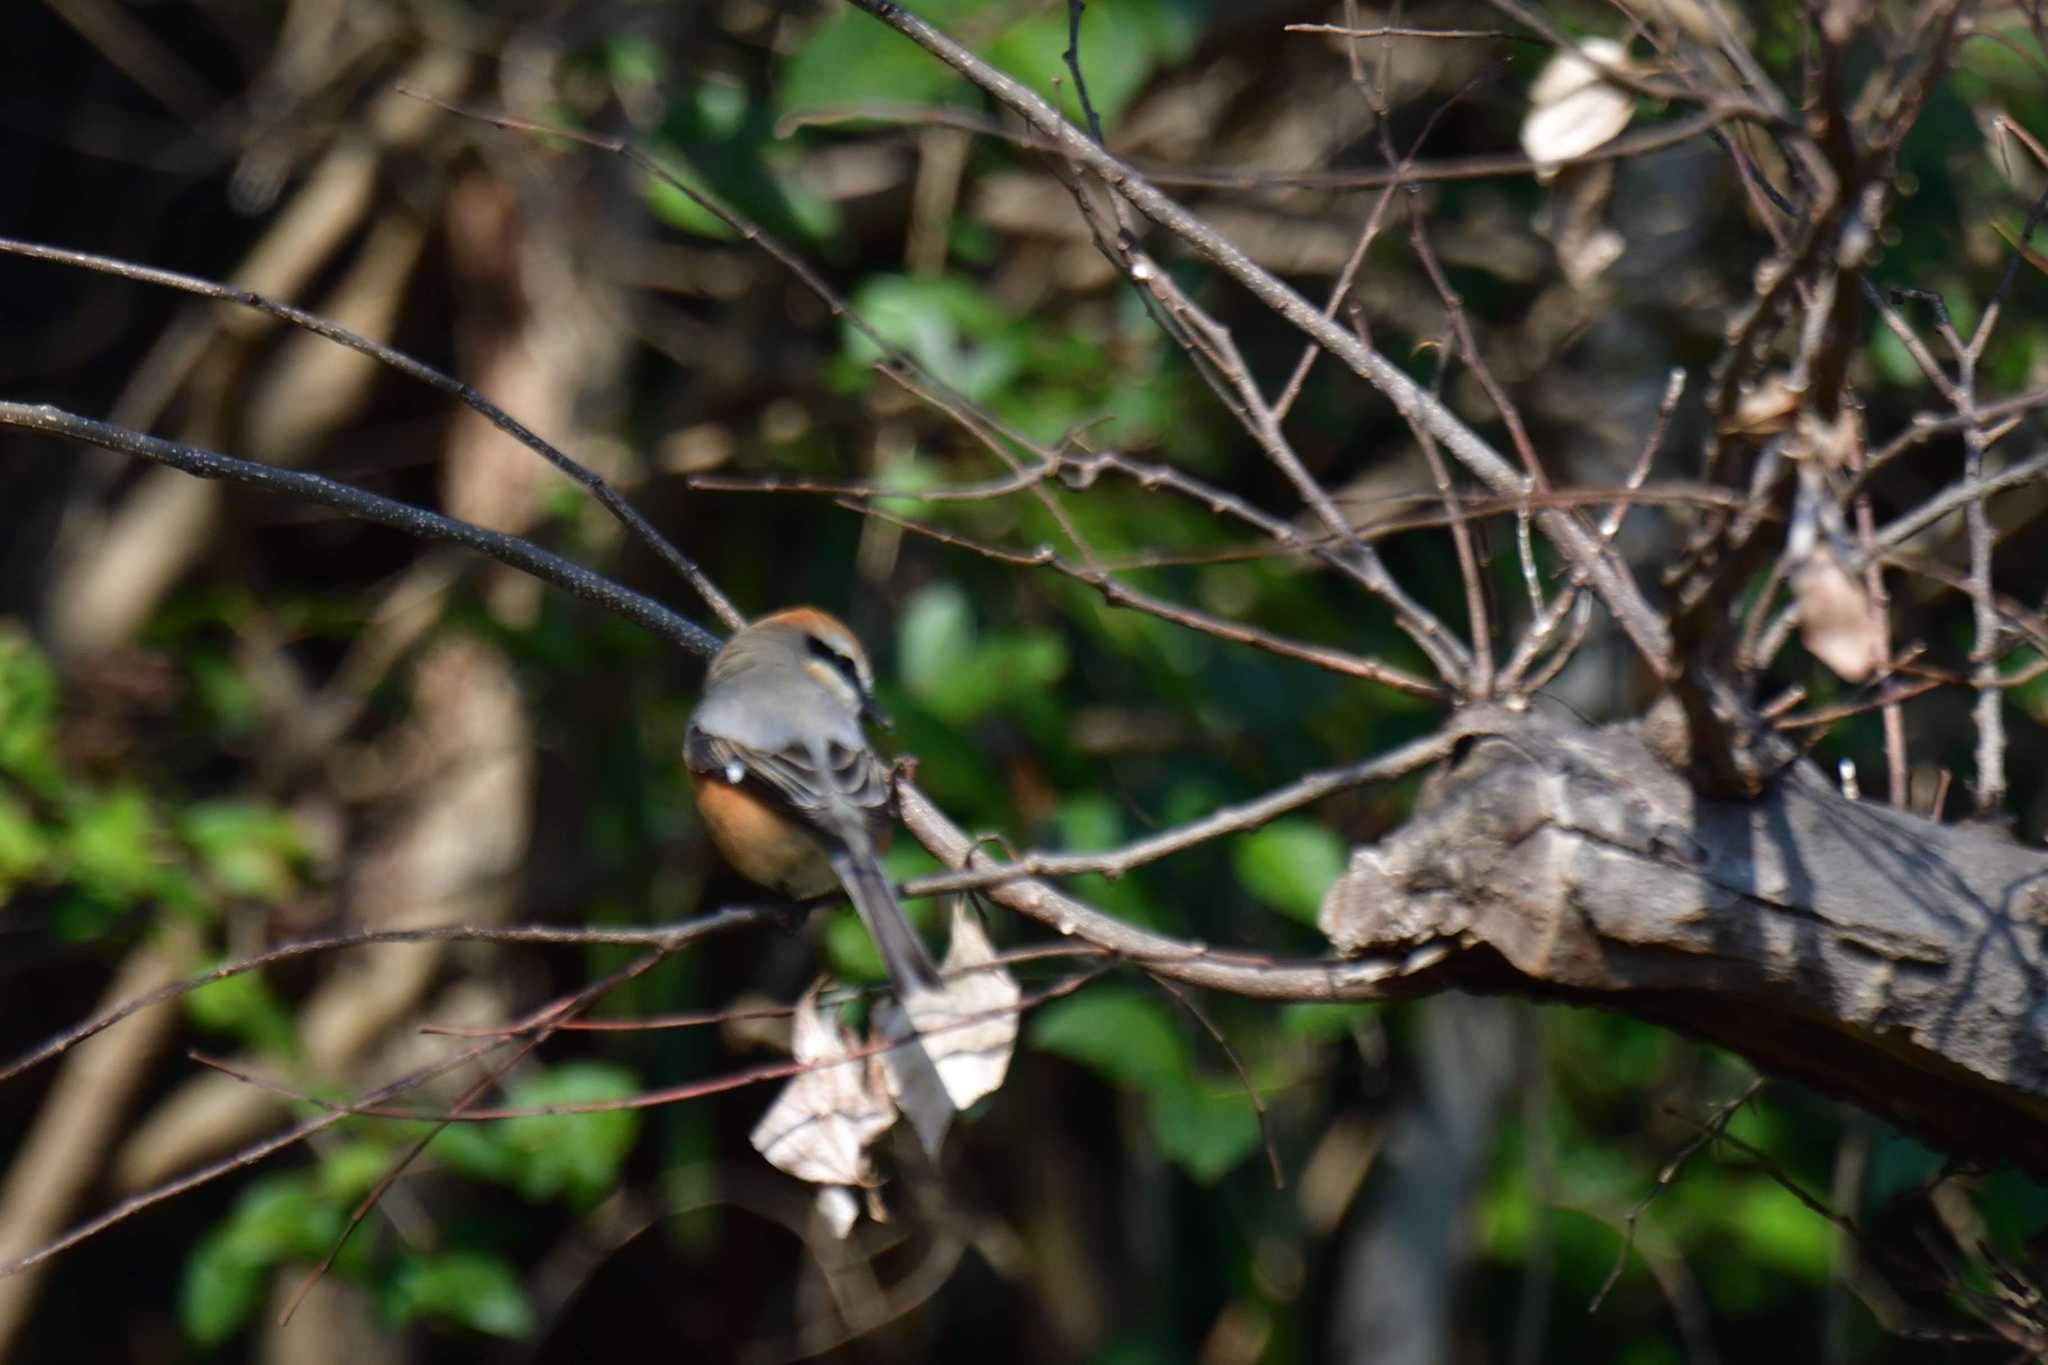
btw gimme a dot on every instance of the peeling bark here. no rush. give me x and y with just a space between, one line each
1898 964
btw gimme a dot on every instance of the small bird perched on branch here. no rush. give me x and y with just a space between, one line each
789 788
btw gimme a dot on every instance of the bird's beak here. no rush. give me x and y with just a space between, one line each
871 711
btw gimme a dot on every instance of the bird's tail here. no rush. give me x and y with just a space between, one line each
909 963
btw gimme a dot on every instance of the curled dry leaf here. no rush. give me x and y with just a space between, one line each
820 1126
965 1033
838 1209
1765 409
1837 622
1572 109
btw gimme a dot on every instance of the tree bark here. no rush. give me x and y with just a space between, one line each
1890 961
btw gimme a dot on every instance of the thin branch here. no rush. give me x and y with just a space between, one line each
1961 495
404 364
414 521
678 935
1616 588
1252 180
1244 1077
1072 57
1119 594
1715 1126
464 1112
1409 758
1393 32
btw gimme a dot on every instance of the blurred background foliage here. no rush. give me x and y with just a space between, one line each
226 721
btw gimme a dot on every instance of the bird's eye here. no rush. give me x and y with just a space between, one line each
840 660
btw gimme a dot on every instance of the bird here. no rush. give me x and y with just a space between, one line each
791 792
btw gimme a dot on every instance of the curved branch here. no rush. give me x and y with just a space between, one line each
414 521
594 484
1898 964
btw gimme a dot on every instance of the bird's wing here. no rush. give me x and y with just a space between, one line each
796 777
846 795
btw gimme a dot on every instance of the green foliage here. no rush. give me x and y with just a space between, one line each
474 1289
106 850
280 1219
1289 865
297 1218
249 851
285 1222
1320 1023
850 60
960 677
1125 1036
28 716
1043 380
1205 1132
244 1005
1130 1039
573 1157
1778 1231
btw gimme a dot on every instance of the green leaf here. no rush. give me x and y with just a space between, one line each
1289 865
678 209
2016 1210
282 1217
351 1169
1780 1231
245 1006
251 851
950 326
1314 1021
473 1288
1205 1133
1034 52
1126 1036
1899 1164
477 1149
220 1292
961 678
114 846
934 642
25 846
1089 823
574 1155
849 949
28 714
852 59
225 695
279 1218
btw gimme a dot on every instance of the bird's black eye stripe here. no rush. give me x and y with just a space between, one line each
839 659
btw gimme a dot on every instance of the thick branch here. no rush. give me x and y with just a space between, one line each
1882 958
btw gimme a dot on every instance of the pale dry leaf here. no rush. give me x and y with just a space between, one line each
1585 258
1836 620
1765 409
819 1127
838 1209
966 1032
1572 108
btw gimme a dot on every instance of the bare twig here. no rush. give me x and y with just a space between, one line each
1120 594
404 364
414 521
1409 758
1616 589
1715 1126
